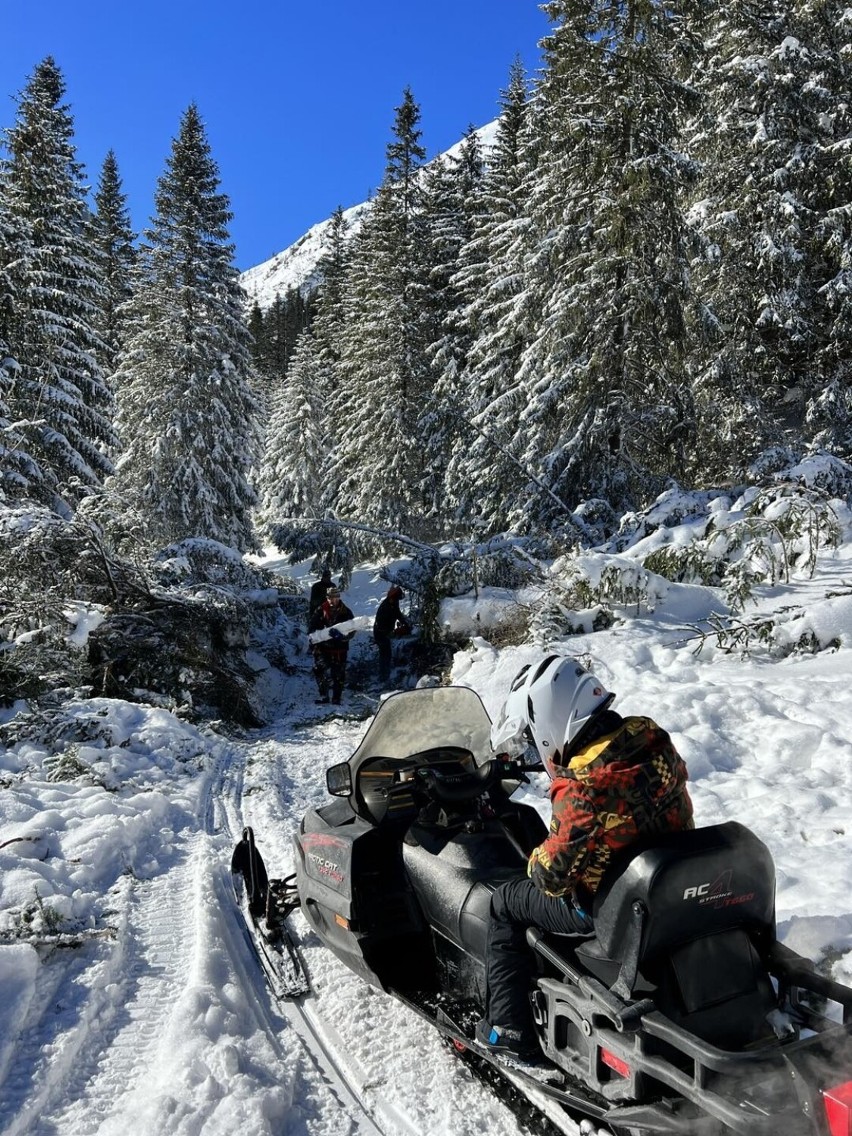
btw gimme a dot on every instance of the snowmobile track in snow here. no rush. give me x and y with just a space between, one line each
130 999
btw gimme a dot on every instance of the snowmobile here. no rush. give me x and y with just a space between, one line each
682 1013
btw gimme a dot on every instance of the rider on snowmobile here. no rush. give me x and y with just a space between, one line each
613 780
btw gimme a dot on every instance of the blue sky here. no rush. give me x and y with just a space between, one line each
298 95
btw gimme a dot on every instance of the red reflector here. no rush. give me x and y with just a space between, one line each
838 1109
619 1066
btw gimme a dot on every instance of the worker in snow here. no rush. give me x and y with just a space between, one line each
330 655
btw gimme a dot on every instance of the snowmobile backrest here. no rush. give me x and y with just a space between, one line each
686 886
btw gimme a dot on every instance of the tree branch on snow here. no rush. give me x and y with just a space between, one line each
355 526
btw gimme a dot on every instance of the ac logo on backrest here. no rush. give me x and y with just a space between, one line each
719 889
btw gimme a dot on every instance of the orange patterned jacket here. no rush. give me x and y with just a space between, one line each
628 784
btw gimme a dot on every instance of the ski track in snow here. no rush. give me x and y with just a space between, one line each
115 1001
113 1057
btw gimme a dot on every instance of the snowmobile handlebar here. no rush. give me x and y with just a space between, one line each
454 786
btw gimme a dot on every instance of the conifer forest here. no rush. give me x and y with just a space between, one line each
643 283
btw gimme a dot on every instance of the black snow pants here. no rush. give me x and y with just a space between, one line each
510 966
330 667
383 642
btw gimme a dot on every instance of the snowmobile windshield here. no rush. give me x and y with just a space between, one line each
433 718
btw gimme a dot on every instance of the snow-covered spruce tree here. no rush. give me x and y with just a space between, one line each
327 328
756 209
113 240
187 414
453 204
19 473
283 322
384 368
255 326
328 301
482 478
608 412
59 396
828 31
295 477
292 481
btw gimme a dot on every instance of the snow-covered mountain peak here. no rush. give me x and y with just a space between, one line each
296 266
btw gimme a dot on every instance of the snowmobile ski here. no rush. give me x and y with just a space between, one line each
265 905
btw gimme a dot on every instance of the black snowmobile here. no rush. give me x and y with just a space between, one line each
683 1013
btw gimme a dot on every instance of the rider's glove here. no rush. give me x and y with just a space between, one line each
333 633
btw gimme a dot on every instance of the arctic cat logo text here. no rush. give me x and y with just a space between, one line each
719 893
326 867
319 848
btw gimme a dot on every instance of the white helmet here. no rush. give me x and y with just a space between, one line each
551 704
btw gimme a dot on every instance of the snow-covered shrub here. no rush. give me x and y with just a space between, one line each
458 569
57 726
205 562
751 535
597 519
821 472
173 631
589 592
561 614
760 538
501 562
183 640
771 462
790 631
51 569
37 919
105 742
672 508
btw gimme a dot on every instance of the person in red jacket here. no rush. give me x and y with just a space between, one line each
614 780
330 655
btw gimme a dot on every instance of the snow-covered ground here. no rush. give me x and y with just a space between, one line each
129 999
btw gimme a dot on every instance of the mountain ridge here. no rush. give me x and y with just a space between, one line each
296 266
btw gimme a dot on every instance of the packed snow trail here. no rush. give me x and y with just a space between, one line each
132 997
166 1027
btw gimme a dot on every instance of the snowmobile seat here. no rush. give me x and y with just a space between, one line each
691 915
